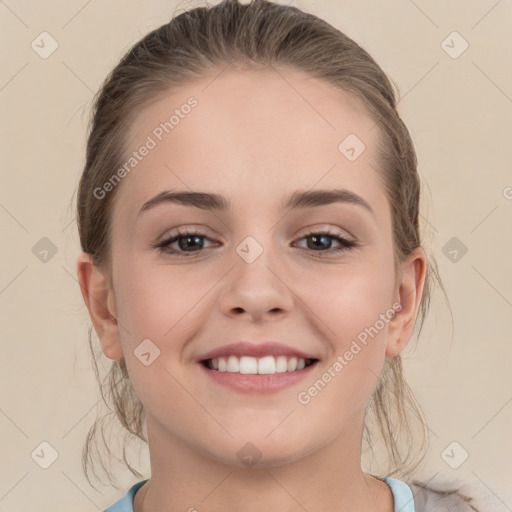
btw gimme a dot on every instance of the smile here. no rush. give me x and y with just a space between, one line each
257 375
266 365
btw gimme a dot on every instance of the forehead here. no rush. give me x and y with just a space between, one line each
256 134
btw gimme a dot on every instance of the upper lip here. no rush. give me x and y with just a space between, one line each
246 348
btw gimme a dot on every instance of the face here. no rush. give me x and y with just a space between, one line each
316 276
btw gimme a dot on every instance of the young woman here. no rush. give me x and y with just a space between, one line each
252 264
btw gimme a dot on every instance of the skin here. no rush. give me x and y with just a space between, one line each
254 139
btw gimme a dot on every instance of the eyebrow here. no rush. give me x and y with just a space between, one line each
299 199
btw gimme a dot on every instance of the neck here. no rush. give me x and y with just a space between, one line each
328 479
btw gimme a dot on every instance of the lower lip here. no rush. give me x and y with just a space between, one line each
258 383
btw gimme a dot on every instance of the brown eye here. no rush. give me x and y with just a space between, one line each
191 242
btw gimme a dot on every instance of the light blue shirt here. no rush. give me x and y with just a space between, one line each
402 494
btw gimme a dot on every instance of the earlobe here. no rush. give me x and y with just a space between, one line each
394 348
410 293
99 299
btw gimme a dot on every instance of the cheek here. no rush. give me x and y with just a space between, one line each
164 304
355 309
357 335
157 301
351 298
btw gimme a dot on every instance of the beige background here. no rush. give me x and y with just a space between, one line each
459 111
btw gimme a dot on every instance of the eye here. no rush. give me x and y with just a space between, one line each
189 241
321 242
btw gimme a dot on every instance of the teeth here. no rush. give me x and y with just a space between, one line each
266 364
233 365
251 365
281 364
292 364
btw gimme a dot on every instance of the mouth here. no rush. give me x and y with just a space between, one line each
247 367
267 365
257 375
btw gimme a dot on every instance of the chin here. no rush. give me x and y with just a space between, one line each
260 451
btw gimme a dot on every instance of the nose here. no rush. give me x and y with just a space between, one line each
259 289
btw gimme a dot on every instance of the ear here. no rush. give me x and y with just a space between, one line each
410 290
99 299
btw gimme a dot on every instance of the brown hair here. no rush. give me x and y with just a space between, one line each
262 34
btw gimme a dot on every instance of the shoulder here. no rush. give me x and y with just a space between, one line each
125 504
429 499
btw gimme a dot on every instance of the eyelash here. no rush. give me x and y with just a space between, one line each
164 246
